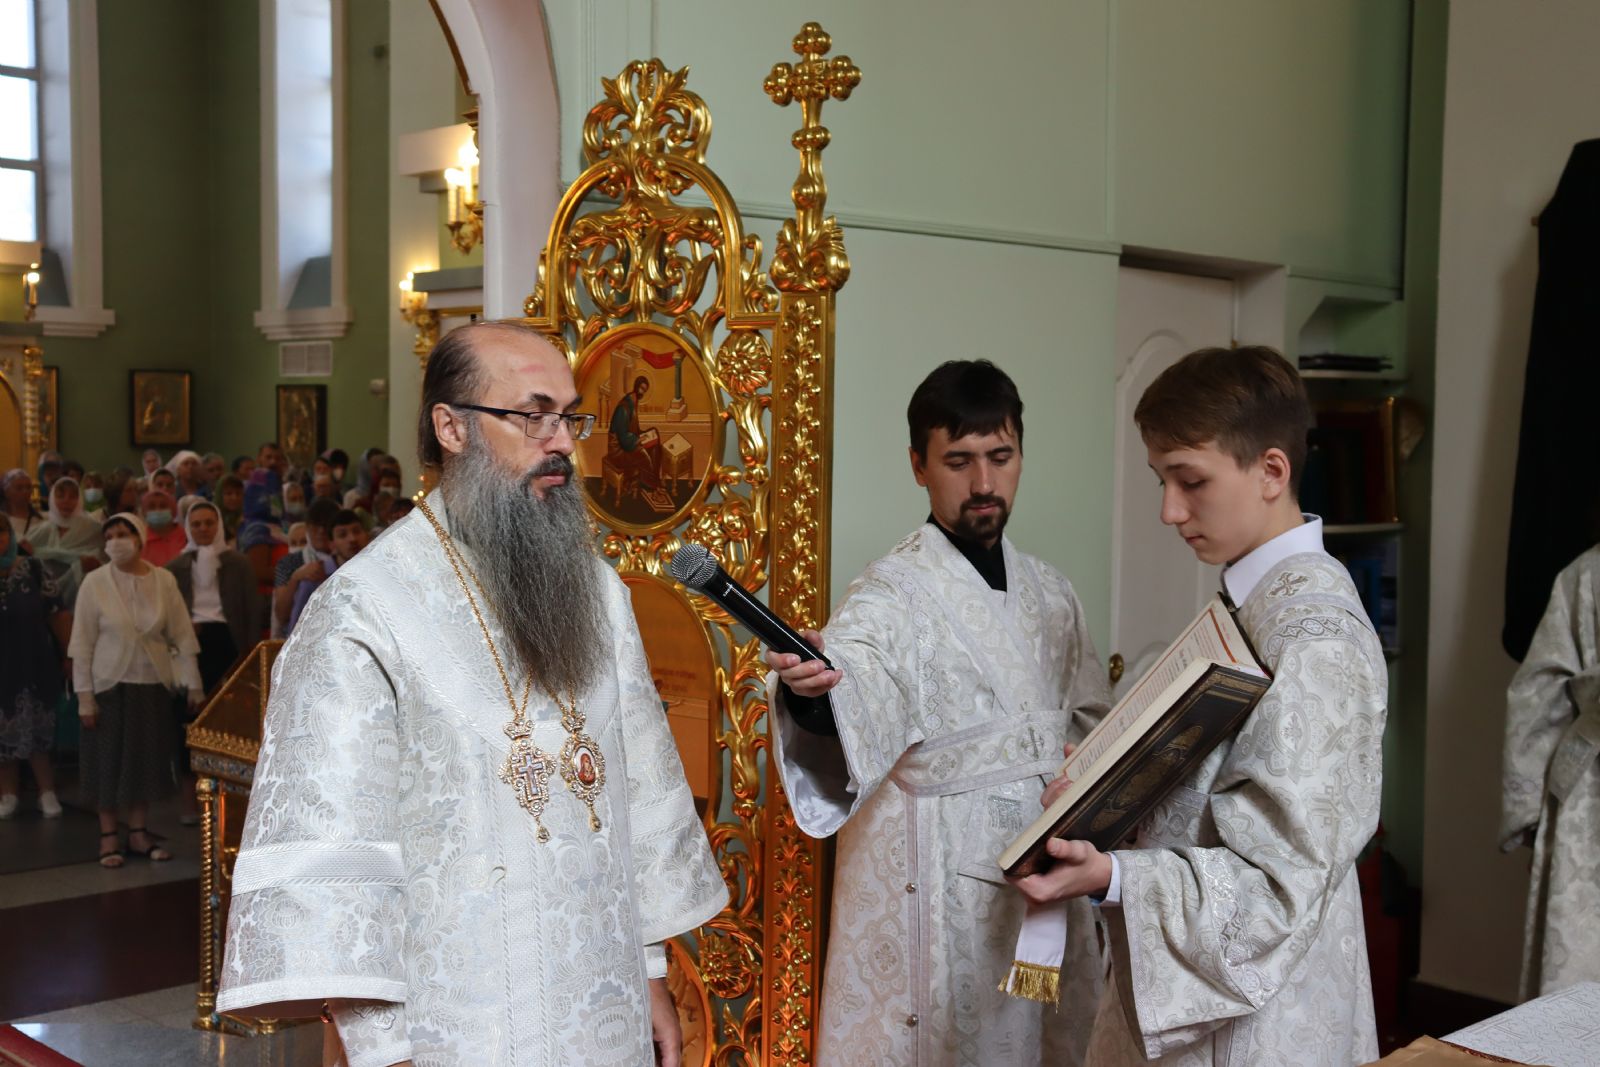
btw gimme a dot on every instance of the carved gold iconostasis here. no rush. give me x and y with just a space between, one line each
27 398
710 379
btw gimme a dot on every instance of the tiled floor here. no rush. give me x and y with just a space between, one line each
99 965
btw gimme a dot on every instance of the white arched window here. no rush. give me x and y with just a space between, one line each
21 170
302 170
50 157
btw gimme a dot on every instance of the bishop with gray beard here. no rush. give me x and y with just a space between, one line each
536 560
469 833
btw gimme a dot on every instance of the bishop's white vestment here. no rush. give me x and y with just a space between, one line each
384 860
955 703
1551 787
1239 938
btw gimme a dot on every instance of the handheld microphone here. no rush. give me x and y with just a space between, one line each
697 568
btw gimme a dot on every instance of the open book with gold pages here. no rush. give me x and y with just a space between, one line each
1196 694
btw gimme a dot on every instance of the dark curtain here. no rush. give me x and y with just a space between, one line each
1556 502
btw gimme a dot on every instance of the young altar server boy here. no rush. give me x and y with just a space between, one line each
1235 919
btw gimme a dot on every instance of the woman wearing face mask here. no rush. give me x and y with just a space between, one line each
219 587
165 538
133 647
68 541
294 502
94 496
34 629
337 462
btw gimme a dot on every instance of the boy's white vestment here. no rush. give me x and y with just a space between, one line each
1238 939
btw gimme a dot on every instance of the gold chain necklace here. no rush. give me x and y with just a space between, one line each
527 767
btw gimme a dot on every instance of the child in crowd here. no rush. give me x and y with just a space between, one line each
1235 921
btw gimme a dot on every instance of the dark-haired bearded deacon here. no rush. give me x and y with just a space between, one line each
470 833
962 668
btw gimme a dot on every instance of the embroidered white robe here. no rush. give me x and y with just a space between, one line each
954 707
383 859
1551 787
1239 939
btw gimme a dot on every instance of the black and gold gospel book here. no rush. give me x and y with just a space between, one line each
1196 694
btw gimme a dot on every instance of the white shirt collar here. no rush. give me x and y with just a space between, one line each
1240 579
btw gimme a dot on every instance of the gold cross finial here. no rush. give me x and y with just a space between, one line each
810 253
811 81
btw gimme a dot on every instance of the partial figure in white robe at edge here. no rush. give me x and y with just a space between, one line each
1551 792
387 866
959 691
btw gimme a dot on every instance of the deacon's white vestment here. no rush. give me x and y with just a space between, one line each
383 859
955 703
1552 783
1239 938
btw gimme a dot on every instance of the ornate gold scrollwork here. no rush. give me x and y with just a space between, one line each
631 271
649 282
809 266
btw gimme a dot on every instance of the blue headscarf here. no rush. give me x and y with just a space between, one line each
261 524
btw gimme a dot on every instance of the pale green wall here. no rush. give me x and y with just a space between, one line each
1265 131
422 95
156 201
180 137
1046 325
988 171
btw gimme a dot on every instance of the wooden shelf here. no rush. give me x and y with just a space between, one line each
1352 376
1359 529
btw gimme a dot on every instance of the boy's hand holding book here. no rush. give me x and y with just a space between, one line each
1079 869
1197 693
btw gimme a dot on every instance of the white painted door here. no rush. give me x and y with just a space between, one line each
1157 585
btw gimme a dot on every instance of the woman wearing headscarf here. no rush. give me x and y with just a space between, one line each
51 466
95 503
34 628
294 502
164 537
185 466
67 542
133 648
150 462
219 587
365 476
16 497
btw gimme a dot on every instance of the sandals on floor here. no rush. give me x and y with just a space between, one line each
115 854
155 853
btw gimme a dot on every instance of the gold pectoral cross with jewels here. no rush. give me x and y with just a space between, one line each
527 771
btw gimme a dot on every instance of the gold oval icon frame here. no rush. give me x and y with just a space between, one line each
607 370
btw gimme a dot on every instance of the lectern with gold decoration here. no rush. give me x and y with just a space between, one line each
711 379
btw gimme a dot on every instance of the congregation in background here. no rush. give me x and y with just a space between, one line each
128 597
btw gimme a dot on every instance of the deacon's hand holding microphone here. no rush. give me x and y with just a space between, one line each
797 657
